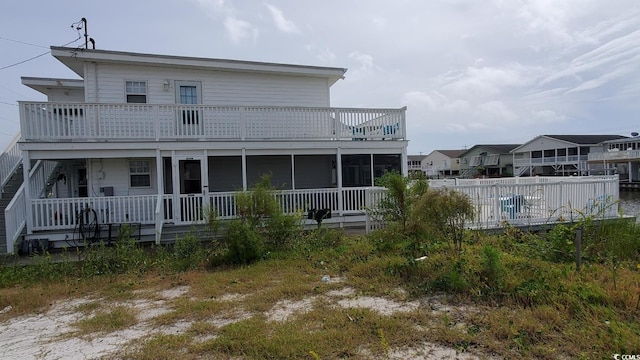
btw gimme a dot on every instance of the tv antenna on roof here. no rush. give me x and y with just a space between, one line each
82 24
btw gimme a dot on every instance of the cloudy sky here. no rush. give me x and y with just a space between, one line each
469 71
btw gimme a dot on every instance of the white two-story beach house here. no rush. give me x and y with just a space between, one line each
152 140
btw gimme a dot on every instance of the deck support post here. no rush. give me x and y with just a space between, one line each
244 169
339 181
26 169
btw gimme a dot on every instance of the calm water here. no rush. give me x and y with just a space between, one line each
630 202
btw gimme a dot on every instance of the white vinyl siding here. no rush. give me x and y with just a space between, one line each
218 87
115 172
65 95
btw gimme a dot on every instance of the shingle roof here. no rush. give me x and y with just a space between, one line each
452 153
586 139
498 148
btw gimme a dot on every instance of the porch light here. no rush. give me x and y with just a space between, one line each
165 84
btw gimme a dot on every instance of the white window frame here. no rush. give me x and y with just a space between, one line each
135 172
136 93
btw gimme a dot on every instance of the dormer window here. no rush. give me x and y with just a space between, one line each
136 92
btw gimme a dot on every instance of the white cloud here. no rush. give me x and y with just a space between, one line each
324 55
239 30
364 66
283 24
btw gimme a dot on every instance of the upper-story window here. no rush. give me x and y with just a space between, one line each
136 92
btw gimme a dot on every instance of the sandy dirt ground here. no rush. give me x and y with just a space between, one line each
52 335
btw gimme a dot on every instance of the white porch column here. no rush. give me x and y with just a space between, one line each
339 180
404 168
579 166
205 170
159 173
26 169
372 171
160 185
293 172
175 179
244 169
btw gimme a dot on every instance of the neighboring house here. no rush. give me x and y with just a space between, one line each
414 163
152 140
441 163
561 155
488 160
621 156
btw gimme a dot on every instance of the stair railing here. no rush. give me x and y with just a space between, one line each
15 214
9 161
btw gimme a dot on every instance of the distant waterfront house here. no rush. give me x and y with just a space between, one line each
557 155
620 156
438 163
152 140
414 163
493 160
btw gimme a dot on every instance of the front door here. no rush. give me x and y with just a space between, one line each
192 191
190 171
189 116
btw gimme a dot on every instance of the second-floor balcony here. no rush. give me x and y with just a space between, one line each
615 156
48 121
553 160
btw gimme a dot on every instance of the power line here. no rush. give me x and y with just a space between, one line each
22 42
35 57
24 61
6 103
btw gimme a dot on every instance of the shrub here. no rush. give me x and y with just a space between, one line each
187 253
244 243
401 195
492 269
444 212
124 256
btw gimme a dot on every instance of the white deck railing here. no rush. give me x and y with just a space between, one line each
9 161
70 213
615 155
134 122
570 159
15 217
538 200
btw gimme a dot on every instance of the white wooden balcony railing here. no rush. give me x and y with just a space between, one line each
615 155
570 159
49 121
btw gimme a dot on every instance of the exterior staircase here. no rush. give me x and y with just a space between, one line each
8 191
